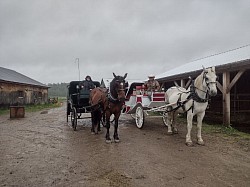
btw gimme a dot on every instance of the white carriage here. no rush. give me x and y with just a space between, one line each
139 102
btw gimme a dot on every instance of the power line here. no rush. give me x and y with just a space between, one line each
221 53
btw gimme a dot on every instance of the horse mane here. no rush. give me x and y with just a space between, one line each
112 88
197 82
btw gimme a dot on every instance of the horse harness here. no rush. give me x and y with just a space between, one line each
193 95
111 98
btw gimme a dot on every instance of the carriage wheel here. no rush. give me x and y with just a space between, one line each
133 116
139 117
74 118
67 112
164 118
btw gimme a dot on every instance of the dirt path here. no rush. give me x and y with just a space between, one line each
43 150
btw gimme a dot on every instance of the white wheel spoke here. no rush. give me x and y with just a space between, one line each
139 117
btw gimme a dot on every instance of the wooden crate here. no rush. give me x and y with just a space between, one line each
17 111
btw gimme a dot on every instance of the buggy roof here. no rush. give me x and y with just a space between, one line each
72 86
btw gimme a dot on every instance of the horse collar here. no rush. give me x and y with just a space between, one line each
111 98
195 96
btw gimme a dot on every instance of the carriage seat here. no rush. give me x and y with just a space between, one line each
139 90
84 94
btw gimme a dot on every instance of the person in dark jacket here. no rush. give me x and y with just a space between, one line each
88 83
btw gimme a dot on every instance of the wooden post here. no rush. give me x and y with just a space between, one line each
226 98
227 86
182 83
188 83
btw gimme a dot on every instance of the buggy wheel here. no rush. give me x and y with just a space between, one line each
139 117
67 113
74 118
165 118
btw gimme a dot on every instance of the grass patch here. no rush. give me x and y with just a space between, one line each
35 108
218 129
38 107
154 113
227 131
4 111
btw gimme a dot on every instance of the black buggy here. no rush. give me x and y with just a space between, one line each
78 101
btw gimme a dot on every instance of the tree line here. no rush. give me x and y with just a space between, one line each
58 89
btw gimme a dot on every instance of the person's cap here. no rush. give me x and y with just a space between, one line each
151 76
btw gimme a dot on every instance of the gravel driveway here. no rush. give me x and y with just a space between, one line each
43 150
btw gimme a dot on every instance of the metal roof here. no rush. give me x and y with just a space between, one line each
13 76
221 59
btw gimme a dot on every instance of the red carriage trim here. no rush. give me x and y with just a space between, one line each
158 97
138 99
127 109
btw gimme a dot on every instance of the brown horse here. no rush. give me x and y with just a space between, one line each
108 103
99 102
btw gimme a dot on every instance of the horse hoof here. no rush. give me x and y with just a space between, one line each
117 140
189 144
169 133
175 131
93 133
108 141
201 143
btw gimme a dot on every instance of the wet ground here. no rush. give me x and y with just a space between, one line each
43 150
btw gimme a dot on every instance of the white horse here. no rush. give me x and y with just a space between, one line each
194 101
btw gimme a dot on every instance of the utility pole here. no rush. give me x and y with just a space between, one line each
77 60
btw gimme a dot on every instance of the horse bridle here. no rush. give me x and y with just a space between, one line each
117 91
120 89
207 83
195 96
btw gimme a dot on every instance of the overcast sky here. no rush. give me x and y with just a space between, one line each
43 38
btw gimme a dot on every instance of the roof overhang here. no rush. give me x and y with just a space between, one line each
230 67
24 84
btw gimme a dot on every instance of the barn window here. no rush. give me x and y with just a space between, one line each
40 95
20 93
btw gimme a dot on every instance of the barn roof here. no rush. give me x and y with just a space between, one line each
229 59
13 76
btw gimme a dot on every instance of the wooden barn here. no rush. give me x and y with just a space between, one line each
16 88
232 103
